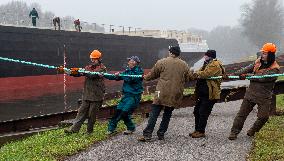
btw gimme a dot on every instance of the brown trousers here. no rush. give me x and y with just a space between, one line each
87 110
246 107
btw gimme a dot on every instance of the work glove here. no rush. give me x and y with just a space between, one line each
60 69
242 76
75 72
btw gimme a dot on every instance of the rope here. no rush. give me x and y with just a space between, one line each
250 77
81 70
68 71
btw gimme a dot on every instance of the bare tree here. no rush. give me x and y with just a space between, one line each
263 21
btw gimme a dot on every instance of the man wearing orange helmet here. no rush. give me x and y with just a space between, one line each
259 91
93 93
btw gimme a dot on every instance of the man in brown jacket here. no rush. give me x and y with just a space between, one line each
172 73
207 91
259 91
93 94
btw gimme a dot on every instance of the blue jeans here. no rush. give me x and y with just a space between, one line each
156 109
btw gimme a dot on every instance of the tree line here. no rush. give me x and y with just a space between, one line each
17 13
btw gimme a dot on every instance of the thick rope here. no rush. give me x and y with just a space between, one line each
81 70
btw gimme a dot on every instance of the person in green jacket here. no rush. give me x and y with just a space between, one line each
132 90
33 14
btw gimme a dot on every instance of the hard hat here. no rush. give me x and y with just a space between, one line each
96 54
269 47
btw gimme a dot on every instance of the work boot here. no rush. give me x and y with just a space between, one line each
233 136
161 137
69 131
198 134
190 134
250 132
144 139
128 132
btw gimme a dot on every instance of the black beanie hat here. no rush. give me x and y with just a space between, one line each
211 53
175 50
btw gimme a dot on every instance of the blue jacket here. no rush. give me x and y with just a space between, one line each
131 85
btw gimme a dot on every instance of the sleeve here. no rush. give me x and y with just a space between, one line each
189 76
95 76
155 72
210 71
113 77
247 69
133 79
266 79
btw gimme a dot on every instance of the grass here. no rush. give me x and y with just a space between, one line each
54 144
268 144
281 78
280 102
146 97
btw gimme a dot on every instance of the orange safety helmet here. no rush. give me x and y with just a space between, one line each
96 54
269 47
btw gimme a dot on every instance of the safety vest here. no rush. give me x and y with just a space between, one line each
257 65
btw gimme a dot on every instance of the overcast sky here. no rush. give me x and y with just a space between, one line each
149 14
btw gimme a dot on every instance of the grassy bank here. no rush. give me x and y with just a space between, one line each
55 144
269 142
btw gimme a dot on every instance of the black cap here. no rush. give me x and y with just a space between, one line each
175 50
211 53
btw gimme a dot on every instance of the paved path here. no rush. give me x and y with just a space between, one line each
178 145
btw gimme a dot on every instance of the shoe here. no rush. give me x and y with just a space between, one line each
198 134
250 133
128 132
161 137
233 136
144 139
190 134
69 131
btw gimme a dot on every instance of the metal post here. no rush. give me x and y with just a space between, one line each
103 26
110 27
122 29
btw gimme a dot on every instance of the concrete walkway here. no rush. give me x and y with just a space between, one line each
178 145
